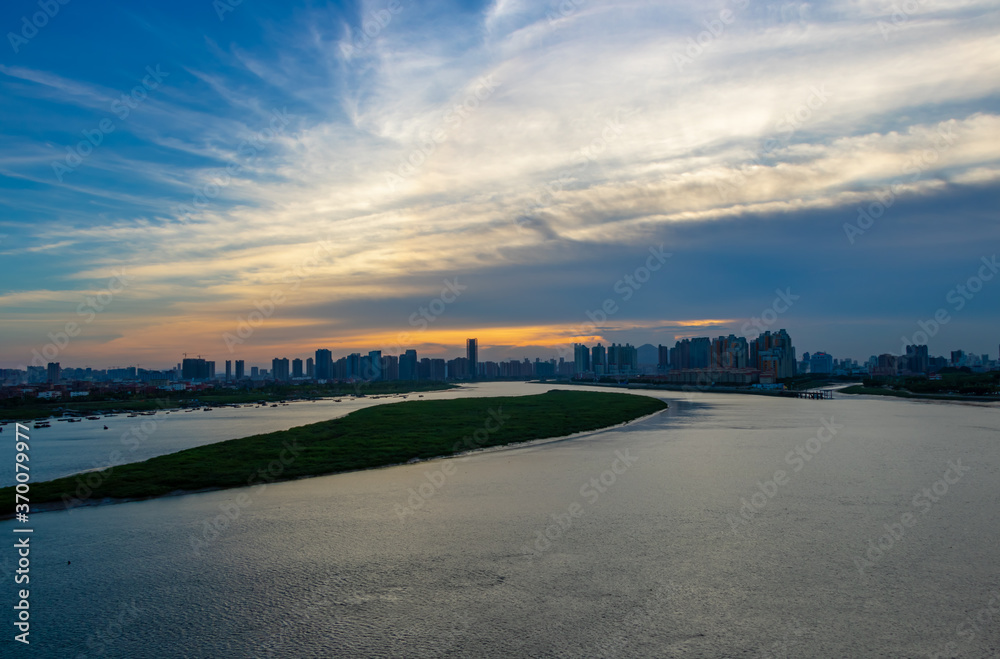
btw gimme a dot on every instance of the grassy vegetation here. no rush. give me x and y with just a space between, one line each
953 385
885 391
372 437
16 409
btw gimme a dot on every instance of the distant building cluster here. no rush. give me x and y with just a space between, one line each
729 360
724 360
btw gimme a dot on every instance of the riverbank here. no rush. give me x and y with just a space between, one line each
34 410
373 437
881 391
686 388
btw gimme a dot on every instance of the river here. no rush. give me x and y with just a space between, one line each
726 526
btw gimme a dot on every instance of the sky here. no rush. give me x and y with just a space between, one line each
241 179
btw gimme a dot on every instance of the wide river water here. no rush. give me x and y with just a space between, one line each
726 526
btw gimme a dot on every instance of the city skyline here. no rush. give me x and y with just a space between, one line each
500 169
715 352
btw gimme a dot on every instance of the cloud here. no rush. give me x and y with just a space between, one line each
512 137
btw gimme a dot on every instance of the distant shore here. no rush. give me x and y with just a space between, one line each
882 391
378 436
36 410
681 388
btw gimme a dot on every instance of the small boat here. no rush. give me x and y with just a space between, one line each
207 409
75 420
105 427
43 424
93 418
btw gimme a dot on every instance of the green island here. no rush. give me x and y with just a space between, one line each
16 409
377 436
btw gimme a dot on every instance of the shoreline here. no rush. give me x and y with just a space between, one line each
111 501
371 438
838 388
223 398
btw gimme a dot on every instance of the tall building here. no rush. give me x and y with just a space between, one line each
622 360
680 355
701 352
917 359
408 365
581 358
886 366
297 368
390 367
458 368
196 369
324 364
599 359
240 369
431 369
729 352
820 362
773 355
663 358
279 369
374 366
229 370
472 354
54 372
310 368
352 366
